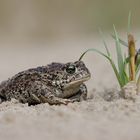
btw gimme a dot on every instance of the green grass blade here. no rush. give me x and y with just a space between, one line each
119 57
137 61
127 59
109 59
101 33
120 40
126 62
94 51
118 50
116 73
137 69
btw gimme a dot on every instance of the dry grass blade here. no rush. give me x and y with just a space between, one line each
132 54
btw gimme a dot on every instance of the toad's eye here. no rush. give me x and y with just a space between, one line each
71 69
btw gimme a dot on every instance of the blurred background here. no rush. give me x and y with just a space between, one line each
37 32
45 19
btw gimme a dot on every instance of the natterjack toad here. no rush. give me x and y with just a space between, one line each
56 83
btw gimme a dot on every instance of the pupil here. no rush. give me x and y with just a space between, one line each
71 69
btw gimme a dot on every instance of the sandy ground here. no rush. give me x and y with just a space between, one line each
94 119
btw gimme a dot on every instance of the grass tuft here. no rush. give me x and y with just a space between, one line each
128 64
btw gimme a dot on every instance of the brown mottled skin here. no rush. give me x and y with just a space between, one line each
56 83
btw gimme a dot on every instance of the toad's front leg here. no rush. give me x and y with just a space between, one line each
81 94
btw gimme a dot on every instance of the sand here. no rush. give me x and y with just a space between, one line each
94 119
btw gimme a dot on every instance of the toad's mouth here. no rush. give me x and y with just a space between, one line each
77 82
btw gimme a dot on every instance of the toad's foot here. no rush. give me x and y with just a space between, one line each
51 99
129 91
